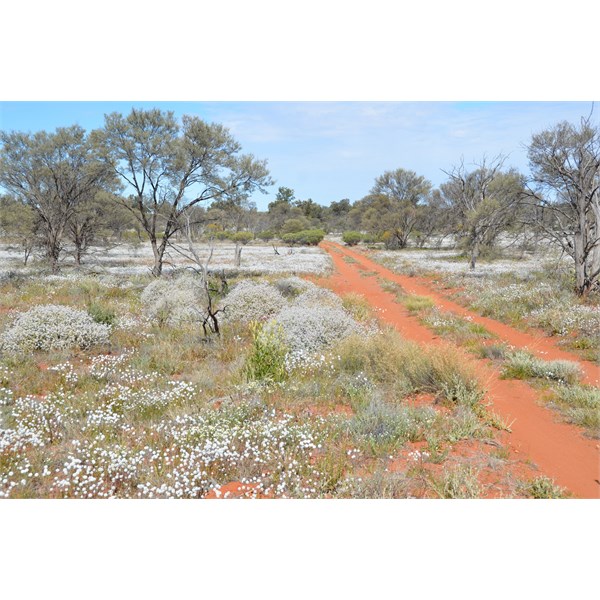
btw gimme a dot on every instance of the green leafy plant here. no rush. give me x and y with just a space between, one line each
267 357
352 237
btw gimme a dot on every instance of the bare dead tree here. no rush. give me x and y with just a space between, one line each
208 311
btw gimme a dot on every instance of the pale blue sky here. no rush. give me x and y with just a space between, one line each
332 150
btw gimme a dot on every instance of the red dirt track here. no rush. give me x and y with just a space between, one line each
559 450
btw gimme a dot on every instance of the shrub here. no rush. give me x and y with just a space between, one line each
380 484
581 405
371 238
53 327
267 358
358 306
310 329
266 235
252 301
383 425
243 237
173 301
315 296
352 237
308 237
543 488
291 287
459 482
103 315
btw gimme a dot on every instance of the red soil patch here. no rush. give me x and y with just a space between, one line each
558 449
235 490
316 410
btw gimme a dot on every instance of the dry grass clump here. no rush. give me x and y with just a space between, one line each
382 427
459 329
522 365
380 484
581 405
458 482
358 306
414 303
386 357
53 327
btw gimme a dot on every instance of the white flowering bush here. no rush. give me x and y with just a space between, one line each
315 296
291 287
308 329
6 394
578 318
173 301
253 301
53 327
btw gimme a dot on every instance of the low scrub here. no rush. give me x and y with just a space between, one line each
581 405
387 358
308 237
461 330
252 301
293 286
460 482
53 327
309 329
543 488
522 365
173 301
382 426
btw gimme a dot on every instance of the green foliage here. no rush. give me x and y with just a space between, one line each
243 237
266 235
352 237
460 482
267 357
416 303
295 225
308 237
543 488
101 314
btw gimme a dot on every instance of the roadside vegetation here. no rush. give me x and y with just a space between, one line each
337 406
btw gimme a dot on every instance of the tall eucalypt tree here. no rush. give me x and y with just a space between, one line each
565 166
168 168
55 174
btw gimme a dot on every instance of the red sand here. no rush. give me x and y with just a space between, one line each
540 344
560 450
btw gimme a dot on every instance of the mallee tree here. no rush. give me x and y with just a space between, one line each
171 167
